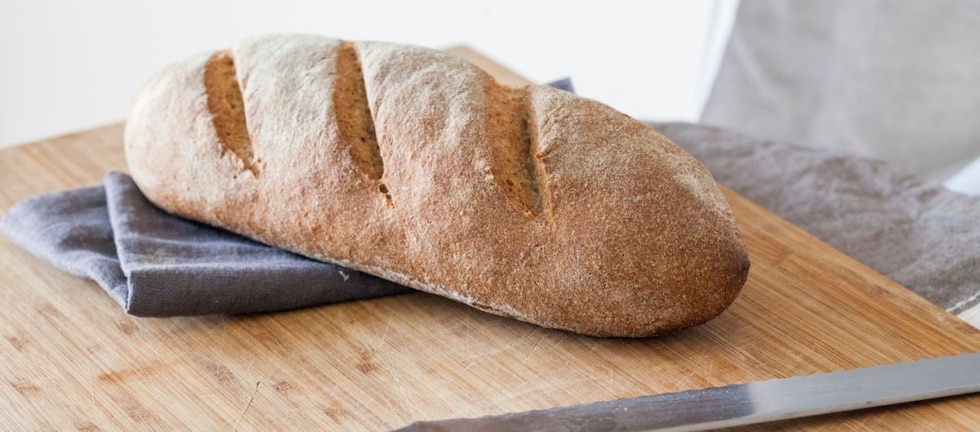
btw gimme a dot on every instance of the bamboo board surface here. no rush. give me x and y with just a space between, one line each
72 360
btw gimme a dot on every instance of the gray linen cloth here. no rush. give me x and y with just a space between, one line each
888 79
924 237
857 82
156 264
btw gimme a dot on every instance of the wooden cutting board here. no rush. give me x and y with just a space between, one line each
73 360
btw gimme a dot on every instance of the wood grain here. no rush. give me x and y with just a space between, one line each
73 360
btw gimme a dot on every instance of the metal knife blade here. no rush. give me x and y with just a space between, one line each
742 404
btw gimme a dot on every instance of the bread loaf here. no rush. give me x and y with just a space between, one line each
413 165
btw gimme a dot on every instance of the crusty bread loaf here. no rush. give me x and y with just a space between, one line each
413 165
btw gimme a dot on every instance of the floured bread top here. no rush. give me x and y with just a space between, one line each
414 165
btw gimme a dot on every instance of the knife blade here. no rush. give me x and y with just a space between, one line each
743 404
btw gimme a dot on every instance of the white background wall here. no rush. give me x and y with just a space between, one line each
69 65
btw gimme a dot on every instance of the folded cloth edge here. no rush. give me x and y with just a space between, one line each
90 254
78 231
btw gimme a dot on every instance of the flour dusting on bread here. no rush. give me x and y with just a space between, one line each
414 165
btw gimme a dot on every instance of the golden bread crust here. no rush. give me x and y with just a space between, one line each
413 165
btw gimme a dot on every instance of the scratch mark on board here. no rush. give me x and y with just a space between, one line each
534 348
248 404
384 334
